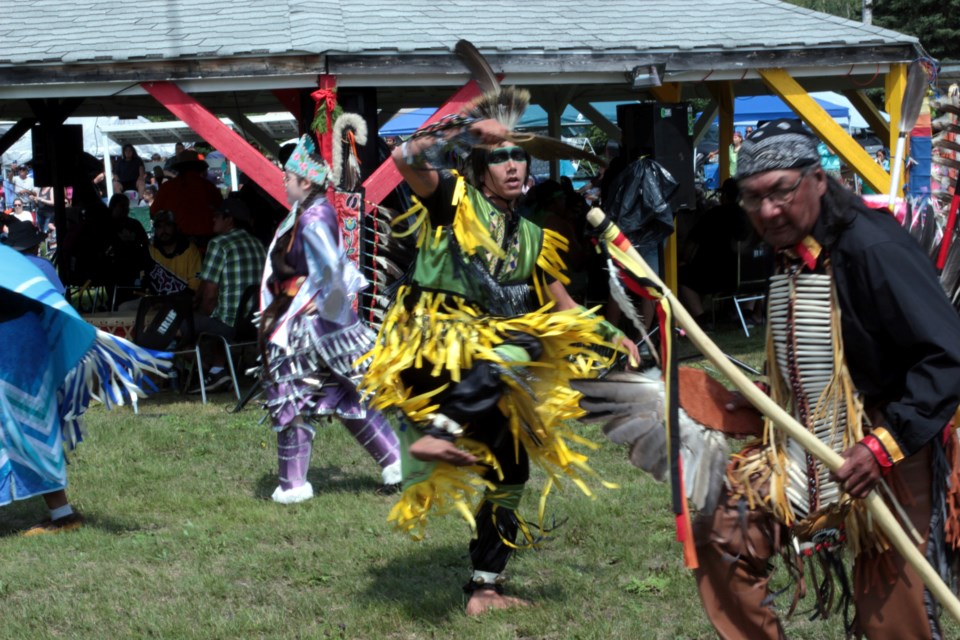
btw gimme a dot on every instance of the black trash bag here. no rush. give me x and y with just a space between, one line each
640 202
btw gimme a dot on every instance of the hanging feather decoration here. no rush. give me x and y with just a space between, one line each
349 130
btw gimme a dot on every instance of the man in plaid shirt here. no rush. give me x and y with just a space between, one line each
234 262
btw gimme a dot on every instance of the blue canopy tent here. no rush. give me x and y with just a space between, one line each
406 123
535 118
750 110
753 109
747 110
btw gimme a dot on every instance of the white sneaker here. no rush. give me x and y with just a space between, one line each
392 473
292 496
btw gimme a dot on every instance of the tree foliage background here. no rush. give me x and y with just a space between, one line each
934 22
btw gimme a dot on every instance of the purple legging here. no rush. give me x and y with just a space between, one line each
293 452
376 436
295 443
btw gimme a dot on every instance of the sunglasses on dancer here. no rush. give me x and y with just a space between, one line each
778 197
503 154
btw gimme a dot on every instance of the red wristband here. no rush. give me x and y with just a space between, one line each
876 448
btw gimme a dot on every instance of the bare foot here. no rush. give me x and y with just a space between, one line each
482 600
431 449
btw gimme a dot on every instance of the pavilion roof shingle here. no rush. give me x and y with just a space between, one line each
87 31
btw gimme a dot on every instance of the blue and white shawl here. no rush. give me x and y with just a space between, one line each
52 364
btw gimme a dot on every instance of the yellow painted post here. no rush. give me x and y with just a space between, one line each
670 262
722 93
790 91
869 112
667 92
895 86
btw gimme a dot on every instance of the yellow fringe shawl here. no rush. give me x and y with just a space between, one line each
445 333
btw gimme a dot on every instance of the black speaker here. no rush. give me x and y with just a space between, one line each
663 131
62 144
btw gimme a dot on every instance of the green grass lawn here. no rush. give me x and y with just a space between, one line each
183 542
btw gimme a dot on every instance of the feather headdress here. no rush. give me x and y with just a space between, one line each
506 106
307 163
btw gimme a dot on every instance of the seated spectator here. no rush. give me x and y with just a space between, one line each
190 196
234 262
20 212
159 177
26 239
127 249
149 195
129 171
176 259
176 262
168 170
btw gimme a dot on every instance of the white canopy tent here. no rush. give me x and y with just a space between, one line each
274 126
108 135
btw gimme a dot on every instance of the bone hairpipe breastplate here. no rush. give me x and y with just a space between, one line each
801 324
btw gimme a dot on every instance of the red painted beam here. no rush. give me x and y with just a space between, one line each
290 99
386 178
222 137
326 82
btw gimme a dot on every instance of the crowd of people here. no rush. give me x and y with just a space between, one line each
502 272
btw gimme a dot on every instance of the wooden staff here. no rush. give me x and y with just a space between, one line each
780 418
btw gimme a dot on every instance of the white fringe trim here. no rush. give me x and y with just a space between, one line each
111 372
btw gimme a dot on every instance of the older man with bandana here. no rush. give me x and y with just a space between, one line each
867 355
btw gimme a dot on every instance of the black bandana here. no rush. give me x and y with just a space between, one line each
778 144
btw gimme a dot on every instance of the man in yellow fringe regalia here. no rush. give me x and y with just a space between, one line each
480 343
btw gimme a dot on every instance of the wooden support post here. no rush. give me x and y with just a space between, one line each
702 125
327 82
722 93
15 132
826 128
670 262
251 129
222 137
554 103
895 86
870 113
290 99
386 178
599 120
667 92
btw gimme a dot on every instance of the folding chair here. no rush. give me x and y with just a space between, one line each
165 323
244 335
754 266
